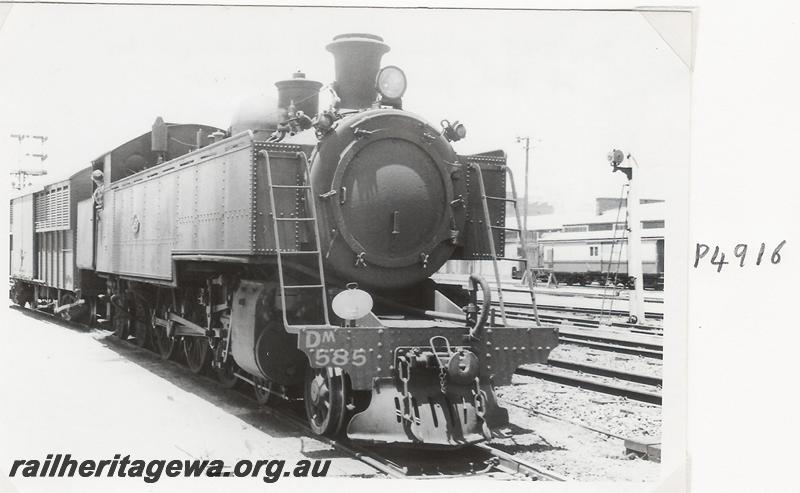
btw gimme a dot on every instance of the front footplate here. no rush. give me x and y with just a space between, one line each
417 395
367 353
425 415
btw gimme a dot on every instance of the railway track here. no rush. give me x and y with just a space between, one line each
612 345
608 337
594 340
516 466
575 376
536 412
606 372
481 460
577 294
548 313
562 291
600 312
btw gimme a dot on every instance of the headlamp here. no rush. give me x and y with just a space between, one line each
391 82
352 303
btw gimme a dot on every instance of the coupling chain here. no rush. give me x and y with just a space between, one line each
404 371
408 414
442 367
443 379
480 399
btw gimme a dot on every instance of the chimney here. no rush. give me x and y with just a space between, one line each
357 57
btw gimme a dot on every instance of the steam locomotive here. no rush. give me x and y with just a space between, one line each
294 252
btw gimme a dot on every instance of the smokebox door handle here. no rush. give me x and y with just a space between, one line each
395 224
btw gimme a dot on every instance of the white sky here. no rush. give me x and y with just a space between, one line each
579 83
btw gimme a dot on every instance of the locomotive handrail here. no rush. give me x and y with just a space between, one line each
490 236
476 280
293 328
523 233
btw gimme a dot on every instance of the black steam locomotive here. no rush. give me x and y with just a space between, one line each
294 252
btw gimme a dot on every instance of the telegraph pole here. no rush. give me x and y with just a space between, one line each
527 141
19 138
42 139
636 297
524 225
21 173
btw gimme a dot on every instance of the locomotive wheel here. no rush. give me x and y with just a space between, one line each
141 322
121 324
162 343
165 345
22 295
325 400
19 300
196 351
226 374
66 299
262 389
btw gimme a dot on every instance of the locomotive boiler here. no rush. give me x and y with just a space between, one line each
294 252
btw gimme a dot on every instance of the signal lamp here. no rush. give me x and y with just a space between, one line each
615 157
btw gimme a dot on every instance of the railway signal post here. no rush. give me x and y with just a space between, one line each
625 164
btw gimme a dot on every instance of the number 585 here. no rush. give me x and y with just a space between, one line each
340 357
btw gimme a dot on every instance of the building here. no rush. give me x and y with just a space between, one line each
583 248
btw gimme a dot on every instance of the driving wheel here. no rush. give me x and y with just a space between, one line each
325 400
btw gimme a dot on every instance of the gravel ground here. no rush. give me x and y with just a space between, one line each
607 359
569 449
616 415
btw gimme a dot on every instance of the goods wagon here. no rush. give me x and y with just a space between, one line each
44 243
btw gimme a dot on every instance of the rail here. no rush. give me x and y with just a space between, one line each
577 380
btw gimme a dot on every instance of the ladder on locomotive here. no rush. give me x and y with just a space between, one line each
523 233
311 208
